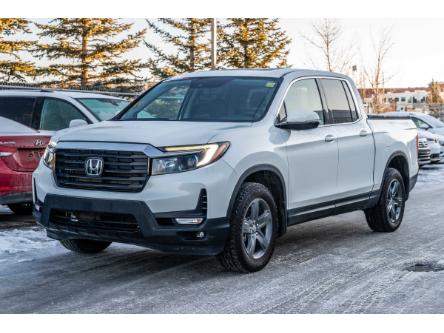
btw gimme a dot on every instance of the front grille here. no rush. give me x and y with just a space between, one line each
422 144
123 171
93 221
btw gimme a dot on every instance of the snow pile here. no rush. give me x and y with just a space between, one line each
4 209
23 240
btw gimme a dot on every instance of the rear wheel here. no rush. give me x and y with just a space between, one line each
252 231
387 215
24 208
85 245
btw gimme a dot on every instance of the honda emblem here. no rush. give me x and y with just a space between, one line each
94 166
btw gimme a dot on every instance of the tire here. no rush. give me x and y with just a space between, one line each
24 208
85 245
251 240
387 215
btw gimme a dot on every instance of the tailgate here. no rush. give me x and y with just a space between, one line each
22 152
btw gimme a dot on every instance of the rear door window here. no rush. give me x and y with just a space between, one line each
19 109
57 114
342 107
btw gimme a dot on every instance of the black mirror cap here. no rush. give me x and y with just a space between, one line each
298 125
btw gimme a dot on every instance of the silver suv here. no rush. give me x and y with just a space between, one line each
52 110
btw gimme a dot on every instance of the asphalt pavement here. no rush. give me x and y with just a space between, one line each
332 265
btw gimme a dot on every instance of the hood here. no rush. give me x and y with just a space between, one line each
156 133
425 134
437 130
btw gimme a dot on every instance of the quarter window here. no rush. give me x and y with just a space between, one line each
339 101
303 96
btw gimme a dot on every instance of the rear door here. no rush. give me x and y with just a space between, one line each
56 114
19 109
355 142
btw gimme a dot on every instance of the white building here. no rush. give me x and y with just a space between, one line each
406 99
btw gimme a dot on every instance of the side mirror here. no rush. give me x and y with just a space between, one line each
77 122
300 120
424 127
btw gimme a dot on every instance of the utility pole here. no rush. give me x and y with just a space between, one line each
213 43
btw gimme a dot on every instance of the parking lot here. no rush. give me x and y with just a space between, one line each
333 265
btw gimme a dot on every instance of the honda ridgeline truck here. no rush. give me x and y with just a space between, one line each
222 162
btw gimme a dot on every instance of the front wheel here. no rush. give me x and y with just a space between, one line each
85 245
387 215
252 231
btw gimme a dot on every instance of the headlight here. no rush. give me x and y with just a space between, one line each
49 155
186 158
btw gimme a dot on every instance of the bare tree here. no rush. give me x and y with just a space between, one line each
327 37
375 73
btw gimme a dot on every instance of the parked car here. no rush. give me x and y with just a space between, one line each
423 152
428 124
222 162
52 110
20 151
433 144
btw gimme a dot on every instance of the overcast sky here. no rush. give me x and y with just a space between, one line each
416 57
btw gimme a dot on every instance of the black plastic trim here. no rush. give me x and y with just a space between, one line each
249 172
180 239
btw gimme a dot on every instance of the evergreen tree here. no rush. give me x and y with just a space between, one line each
14 68
253 43
189 38
89 52
434 96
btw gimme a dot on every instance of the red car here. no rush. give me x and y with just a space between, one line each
20 151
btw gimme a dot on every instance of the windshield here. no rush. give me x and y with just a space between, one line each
103 108
230 99
433 121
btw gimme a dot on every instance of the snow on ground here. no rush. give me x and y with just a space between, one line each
431 174
23 240
4 209
333 265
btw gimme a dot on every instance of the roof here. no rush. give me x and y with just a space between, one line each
259 72
55 93
405 114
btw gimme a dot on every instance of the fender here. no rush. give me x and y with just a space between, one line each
406 179
249 172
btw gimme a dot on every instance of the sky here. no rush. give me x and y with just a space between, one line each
417 55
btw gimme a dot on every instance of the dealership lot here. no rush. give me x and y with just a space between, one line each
333 265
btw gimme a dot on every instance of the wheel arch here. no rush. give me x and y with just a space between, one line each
399 161
271 177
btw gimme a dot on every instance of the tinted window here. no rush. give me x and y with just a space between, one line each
205 99
56 114
337 101
351 102
303 96
419 122
19 109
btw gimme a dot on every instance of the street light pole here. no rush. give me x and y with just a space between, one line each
213 43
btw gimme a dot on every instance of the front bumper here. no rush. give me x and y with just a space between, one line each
208 238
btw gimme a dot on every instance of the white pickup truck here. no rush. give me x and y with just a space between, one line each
222 162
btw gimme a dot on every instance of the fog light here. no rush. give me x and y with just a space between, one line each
200 235
189 220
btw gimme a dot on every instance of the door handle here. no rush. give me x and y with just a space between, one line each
363 133
330 138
